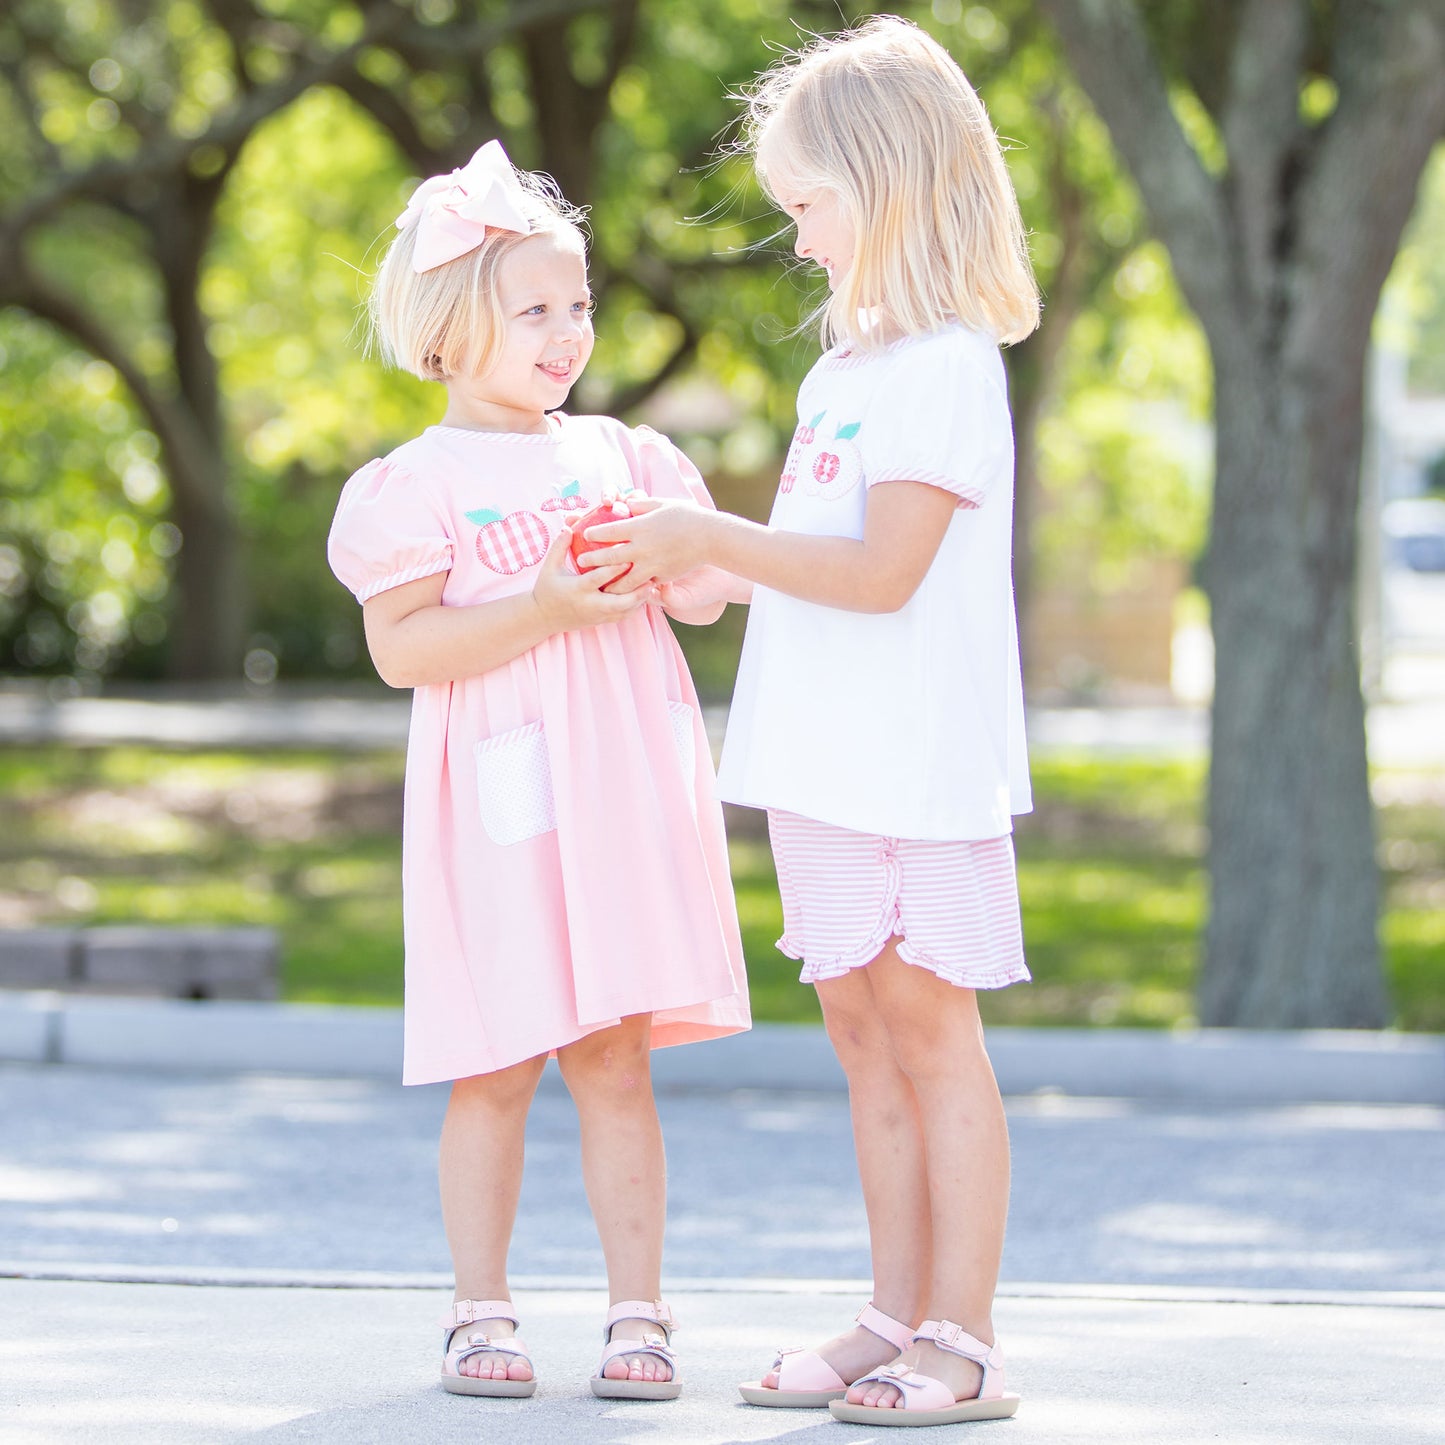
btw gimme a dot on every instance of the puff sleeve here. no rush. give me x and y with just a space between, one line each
941 416
389 529
666 470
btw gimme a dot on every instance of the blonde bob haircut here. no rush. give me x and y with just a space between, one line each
882 117
448 321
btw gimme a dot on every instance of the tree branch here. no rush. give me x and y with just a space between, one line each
388 110
425 45
177 432
1260 124
110 179
1107 49
1390 70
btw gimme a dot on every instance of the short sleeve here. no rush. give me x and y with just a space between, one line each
667 471
941 416
388 529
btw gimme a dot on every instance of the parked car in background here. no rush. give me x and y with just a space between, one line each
1414 573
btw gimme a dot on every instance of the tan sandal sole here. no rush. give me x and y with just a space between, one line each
467 1385
756 1393
606 1389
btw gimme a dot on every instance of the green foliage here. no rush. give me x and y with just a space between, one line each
686 252
1109 873
84 544
1413 306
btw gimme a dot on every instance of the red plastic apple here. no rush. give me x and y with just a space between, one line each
616 511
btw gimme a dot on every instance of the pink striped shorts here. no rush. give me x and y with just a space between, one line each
953 905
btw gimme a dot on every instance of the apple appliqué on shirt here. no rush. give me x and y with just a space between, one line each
802 437
568 498
832 467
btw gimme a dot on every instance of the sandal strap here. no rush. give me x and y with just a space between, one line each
890 1331
654 1311
469 1311
488 1345
647 1345
957 1341
919 1392
802 1369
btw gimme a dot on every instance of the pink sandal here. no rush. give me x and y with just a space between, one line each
806 1381
465 1312
927 1401
657 1345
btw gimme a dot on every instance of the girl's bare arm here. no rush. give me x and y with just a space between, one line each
414 640
902 530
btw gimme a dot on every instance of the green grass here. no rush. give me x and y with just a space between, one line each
1110 874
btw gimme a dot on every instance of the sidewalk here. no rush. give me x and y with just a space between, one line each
213 1259
1222 1066
146 1364
1404 734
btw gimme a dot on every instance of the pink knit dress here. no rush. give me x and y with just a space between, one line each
564 862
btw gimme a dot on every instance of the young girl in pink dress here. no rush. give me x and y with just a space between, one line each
565 871
878 712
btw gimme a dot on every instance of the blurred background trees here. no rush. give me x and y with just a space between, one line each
193 192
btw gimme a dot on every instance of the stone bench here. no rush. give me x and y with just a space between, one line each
147 959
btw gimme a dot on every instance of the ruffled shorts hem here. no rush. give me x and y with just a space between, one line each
977 948
961 975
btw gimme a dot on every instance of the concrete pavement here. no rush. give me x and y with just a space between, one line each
198 1258
141 1364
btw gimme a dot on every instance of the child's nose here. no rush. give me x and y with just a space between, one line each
801 249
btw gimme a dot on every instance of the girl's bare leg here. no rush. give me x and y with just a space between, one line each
937 1038
625 1171
481 1177
888 1139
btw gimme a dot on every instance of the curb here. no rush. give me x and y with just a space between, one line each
1206 1066
232 1277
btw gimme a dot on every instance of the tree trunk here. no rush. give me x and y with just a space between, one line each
208 630
1282 255
1291 938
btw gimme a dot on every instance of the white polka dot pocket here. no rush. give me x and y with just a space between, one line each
514 785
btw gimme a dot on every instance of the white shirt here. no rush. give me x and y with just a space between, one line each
907 724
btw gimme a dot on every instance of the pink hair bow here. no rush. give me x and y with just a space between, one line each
453 213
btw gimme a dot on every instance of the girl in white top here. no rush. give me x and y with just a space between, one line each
878 714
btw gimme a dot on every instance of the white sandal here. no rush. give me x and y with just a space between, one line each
465 1312
928 1401
658 1345
806 1381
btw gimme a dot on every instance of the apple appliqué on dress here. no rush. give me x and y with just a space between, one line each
512 543
568 498
832 468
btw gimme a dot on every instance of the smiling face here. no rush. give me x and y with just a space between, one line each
545 308
825 233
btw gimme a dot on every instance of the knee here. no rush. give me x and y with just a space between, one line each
504 1091
858 1038
610 1072
929 1054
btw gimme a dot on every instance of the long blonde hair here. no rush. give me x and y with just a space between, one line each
883 117
448 321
